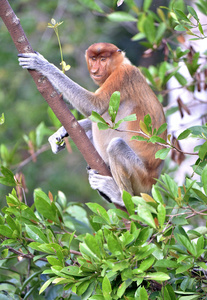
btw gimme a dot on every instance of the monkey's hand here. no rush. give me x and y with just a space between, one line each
106 186
33 61
56 140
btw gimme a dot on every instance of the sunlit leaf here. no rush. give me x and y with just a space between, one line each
162 153
2 119
121 16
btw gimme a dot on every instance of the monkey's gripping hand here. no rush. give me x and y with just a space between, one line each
33 61
106 186
56 140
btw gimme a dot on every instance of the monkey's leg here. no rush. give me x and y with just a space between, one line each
127 169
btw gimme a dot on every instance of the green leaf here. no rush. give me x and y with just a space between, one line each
141 293
8 178
41 131
127 198
149 29
44 207
148 122
182 238
156 139
145 216
82 288
95 117
132 117
6 231
180 14
202 151
184 134
168 292
36 234
122 288
53 118
139 138
162 153
102 126
138 36
193 12
92 244
162 128
204 179
157 276
99 210
156 195
184 268
181 79
166 263
54 261
193 297
121 16
200 195
2 119
161 214
148 75
46 284
114 105
146 5
91 4
147 263
179 28
10 221
114 246
200 28
160 32
106 288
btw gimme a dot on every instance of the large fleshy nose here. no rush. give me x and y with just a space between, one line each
95 67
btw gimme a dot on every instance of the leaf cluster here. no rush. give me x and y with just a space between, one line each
154 256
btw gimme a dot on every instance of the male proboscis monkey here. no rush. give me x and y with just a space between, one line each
132 163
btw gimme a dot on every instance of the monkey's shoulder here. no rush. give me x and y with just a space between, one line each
131 73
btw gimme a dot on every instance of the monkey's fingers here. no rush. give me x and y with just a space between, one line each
32 61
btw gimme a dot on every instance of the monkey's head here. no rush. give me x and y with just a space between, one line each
102 59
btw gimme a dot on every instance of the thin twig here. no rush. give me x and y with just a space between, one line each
160 144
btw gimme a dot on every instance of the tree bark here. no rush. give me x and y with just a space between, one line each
53 98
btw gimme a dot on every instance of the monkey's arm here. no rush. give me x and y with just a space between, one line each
83 100
56 140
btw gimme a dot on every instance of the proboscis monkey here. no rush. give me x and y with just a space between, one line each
132 163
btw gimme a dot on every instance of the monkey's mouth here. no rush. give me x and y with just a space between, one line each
96 76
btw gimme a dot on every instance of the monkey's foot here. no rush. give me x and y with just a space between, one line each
56 140
106 186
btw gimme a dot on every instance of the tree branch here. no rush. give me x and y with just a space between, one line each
53 98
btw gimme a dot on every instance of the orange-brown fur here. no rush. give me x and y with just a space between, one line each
136 97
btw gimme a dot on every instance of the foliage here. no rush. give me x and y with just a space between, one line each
60 248
155 256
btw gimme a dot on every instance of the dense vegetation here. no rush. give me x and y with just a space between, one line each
55 239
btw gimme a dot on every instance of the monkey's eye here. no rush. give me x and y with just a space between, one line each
103 58
93 58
